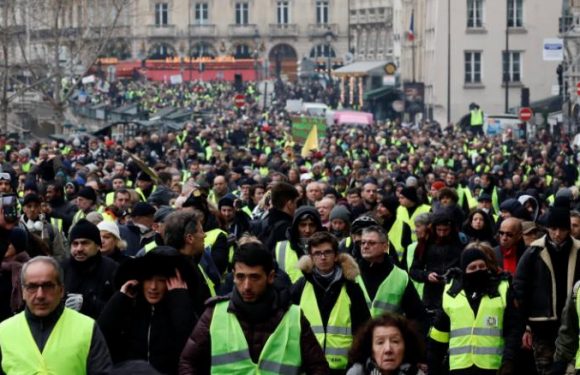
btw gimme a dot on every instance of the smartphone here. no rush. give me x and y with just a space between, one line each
10 207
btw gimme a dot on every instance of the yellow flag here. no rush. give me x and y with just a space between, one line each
311 141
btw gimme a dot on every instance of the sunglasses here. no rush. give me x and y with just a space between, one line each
507 234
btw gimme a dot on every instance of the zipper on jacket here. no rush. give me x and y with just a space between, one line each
149 334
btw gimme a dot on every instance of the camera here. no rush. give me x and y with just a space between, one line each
10 207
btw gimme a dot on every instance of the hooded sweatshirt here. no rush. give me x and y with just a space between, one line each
293 235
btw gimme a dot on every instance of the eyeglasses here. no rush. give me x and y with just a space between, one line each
371 243
5 176
46 287
325 253
507 234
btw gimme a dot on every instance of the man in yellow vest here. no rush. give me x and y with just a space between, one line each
145 186
48 337
410 207
306 222
475 119
254 330
387 287
330 298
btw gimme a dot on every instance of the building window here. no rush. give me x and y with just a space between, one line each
321 12
201 13
283 15
474 13
472 67
161 14
242 52
512 66
241 13
322 50
515 13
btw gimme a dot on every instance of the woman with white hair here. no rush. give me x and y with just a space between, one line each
112 244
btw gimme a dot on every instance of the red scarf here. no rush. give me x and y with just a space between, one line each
510 260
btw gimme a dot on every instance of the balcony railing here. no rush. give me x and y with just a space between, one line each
203 30
317 30
284 30
161 31
243 31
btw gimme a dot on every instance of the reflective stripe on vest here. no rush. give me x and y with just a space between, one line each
230 353
336 338
287 259
390 292
65 352
419 286
475 340
57 223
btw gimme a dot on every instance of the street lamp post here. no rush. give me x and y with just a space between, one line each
328 36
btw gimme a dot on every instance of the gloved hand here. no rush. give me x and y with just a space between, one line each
507 368
74 301
558 368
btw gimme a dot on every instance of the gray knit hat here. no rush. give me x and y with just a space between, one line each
340 212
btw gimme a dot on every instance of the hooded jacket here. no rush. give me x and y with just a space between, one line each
293 236
327 297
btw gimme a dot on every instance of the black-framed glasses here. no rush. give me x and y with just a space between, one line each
46 287
320 254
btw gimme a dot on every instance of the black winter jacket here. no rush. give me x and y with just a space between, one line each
135 329
93 279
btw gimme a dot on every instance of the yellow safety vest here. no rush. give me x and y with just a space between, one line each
419 286
474 340
476 118
230 353
336 337
396 237
403 214
65 352
287 259
208 281
210 239
110 198
390 292
141 195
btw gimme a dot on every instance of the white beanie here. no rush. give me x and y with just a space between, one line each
111 227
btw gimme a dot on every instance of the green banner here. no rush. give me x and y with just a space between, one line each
301 126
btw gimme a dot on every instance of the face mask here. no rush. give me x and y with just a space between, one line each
476 280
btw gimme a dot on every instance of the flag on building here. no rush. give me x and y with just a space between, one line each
311 141
411 32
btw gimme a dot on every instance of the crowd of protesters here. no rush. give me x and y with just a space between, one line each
222 248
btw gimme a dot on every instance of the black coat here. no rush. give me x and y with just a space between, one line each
134 329
274 228
93 279
437 258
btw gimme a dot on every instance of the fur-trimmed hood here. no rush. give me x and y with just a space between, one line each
350 268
